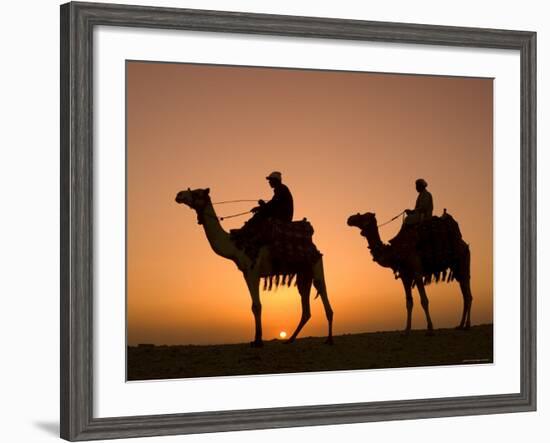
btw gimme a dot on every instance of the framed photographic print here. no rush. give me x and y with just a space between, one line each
272 221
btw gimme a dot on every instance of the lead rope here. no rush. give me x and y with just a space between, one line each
389 221
235 215
234 201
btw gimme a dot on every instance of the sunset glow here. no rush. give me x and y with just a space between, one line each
345 143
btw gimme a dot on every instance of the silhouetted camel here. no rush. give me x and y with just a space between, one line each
253 271
406 259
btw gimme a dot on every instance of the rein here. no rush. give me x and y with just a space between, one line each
235 215
392 219
201 215
226 216
234 201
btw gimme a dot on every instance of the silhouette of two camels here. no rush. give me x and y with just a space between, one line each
406 262
261 267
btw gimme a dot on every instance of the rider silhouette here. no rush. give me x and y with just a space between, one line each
256 230
423 211
424 207
281 206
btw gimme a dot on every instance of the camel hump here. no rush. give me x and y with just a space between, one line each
300 228
451 224
291 248
290 243
444 229
438 241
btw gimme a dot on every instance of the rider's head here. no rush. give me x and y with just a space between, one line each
421 184
274 179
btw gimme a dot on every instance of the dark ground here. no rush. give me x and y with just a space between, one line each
352 351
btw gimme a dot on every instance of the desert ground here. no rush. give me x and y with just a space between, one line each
375 350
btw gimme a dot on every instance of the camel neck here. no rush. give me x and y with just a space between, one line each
373 237
219 239
378 249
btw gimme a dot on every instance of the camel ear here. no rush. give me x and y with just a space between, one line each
207 191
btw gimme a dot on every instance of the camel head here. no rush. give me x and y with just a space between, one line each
196 199
369 229
362 221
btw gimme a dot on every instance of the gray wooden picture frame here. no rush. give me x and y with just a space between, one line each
77 23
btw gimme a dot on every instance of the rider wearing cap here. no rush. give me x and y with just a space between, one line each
424 207
281 206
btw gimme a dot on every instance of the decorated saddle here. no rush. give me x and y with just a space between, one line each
290 243
438 241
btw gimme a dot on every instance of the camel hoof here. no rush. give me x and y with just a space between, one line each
329 341
257 344
459 328
406 333
430 333
289 341
467 327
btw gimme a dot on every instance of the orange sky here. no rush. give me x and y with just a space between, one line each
345 143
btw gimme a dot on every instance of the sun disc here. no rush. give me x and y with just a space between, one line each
282 334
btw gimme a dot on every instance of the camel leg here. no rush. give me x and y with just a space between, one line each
407 283
467 297
425 303
253 283
304 287
321 287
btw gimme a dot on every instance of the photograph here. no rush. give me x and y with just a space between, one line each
283 220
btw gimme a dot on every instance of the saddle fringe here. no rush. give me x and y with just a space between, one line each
446 275
272 282
278 280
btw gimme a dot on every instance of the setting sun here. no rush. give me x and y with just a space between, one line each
282 334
